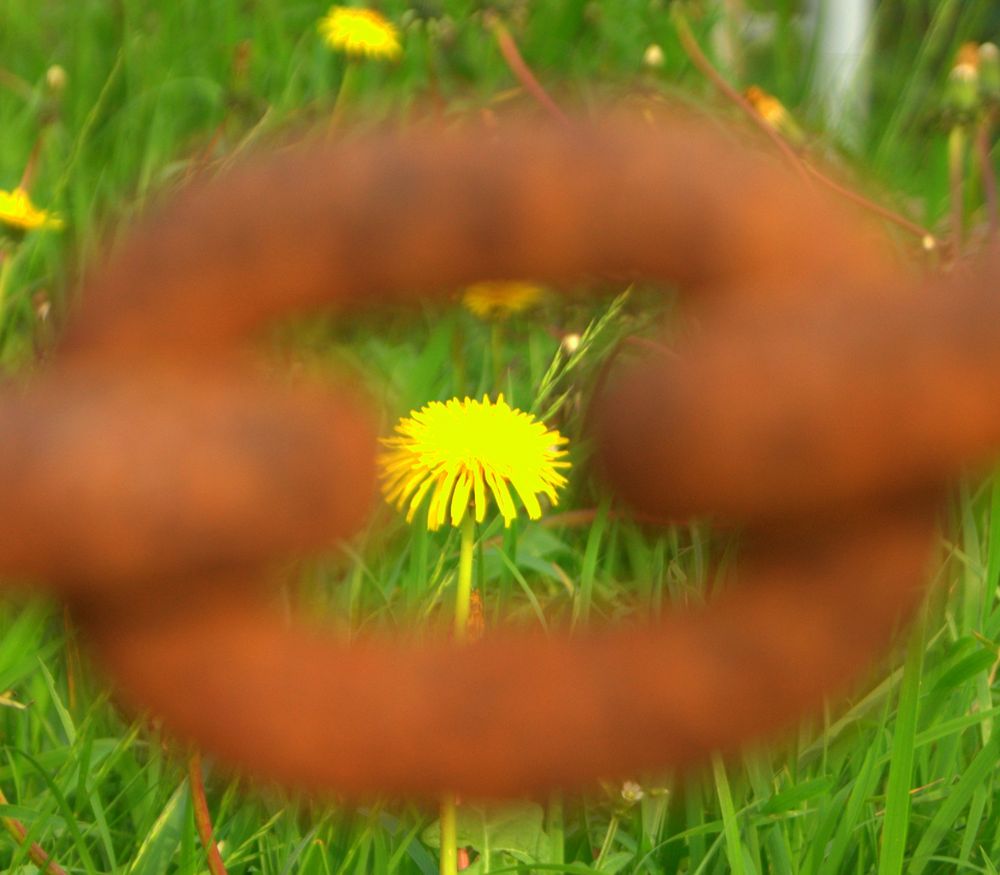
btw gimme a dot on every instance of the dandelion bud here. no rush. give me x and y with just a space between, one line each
55 79
989 71
653 56
962 95
968 53
772 111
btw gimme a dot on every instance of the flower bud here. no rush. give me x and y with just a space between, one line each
962 94
773 111
653 56
989 72
55 79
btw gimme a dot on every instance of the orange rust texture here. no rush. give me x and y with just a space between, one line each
823 401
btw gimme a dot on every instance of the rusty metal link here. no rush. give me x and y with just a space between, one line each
154 475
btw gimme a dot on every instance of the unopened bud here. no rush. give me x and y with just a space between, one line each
55 79
653 56
962 95
968 53
773 111
989 71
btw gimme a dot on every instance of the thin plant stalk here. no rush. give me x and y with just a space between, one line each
521 70
987 172
449 836
6 262
555 821
36 852
805 170
463 600
609 838
956 174
496 352
202 816
701 62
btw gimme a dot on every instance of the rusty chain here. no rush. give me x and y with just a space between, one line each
153 474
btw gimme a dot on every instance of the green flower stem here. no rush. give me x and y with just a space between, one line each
496 353
449 837
557 828
984 136
463 593
956 174
6 260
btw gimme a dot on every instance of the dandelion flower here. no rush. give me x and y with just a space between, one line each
360 33
457 450
498 300
18 214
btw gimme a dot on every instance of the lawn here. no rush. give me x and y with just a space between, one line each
111 105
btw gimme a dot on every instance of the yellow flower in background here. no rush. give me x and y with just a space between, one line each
499 300
459 450
19 214
360 33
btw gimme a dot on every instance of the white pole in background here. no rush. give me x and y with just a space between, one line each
842 74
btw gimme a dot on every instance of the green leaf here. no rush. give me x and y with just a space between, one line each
795 796
160 844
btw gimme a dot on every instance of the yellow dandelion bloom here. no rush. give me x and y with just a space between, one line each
360 33
19 214
457 450
498 300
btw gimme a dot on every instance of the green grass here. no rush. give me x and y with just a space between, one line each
901 779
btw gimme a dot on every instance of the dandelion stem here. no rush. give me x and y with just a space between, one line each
988 174
6 260
463 592
956 173
496 353
463 598
449 837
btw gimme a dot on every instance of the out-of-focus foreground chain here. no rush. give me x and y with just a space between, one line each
154 474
